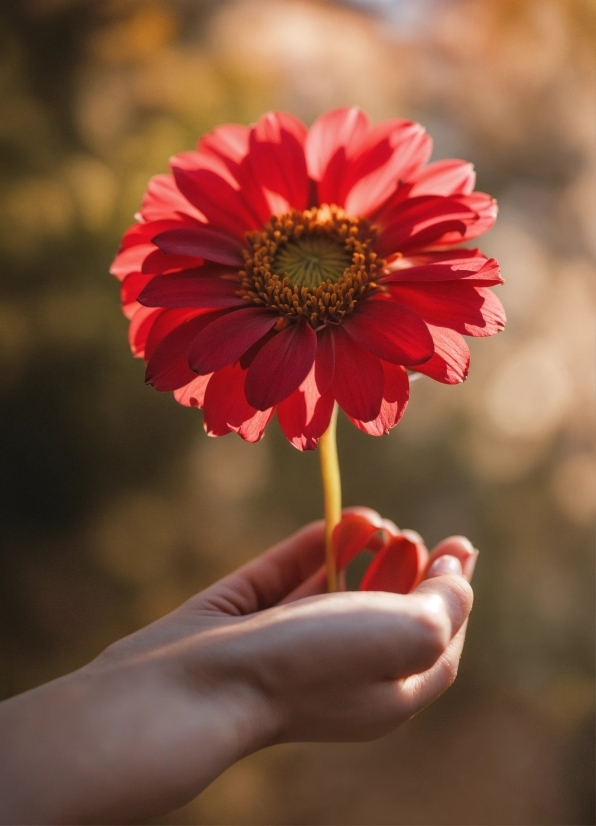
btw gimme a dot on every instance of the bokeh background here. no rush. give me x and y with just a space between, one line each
114 504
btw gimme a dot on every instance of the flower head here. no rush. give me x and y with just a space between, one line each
280 269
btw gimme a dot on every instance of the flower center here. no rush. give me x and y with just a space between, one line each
312 260
314 264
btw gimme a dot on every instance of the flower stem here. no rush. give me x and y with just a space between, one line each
331 494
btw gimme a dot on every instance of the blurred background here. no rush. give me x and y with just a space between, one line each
115 506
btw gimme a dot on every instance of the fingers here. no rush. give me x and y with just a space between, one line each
445 581
455 546
420 690
315 584
266 580
371 635
279 575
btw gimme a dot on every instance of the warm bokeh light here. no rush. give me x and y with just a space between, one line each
114 504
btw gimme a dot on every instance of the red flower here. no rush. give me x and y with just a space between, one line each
282 269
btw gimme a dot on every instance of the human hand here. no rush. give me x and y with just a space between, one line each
262 657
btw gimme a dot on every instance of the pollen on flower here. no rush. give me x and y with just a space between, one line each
314 264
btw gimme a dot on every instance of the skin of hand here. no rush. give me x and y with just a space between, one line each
262 657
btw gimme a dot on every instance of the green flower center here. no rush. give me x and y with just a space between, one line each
315 264
312 260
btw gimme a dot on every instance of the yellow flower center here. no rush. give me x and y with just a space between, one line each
315 264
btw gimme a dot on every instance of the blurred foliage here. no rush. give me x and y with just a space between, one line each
115 506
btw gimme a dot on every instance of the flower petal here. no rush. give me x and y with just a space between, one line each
414 215
218 198
164 201
358 380
130 259
190 289
230 143
167 368
395 399
353 534
391 331
168 320
397 568
140 327
201 242
228 337
158 263
281 365
130 289
480 271
144 232
392 151
486 209
451 361
332 140
324 360
305 415
470 310
193 393
433 235
277 157
448 177
226 408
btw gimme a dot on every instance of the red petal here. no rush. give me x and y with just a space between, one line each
140 327
167 368
158 263
201 242
277 157
193 393
390 331
229 141
395 399
392 151
397 568
131 260
168 320
451 361
433 235
341 128
358 381
470 310
353 534
325 360
415 211
130 289
281 365
479 212
305 415
226 408
164 201
486 208
144 232
227 338
190 289
480 271
218 199
419 218
332 140
448 177
424 257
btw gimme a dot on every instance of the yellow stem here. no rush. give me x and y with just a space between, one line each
331 494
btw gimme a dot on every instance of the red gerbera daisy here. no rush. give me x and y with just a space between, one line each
285 269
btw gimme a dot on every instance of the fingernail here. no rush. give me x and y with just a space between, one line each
469 565
445 565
